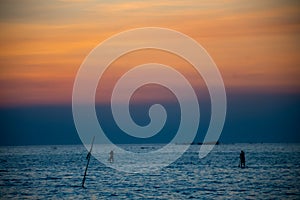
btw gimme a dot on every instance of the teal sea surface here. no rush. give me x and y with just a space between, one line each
55 172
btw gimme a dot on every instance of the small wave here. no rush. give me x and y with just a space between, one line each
52 178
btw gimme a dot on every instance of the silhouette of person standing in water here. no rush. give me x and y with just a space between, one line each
242 159
111 156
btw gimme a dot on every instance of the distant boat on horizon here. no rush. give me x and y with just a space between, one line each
206 143
202 143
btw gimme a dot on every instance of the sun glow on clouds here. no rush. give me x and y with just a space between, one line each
254 43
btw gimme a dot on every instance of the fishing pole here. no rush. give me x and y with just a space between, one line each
88 157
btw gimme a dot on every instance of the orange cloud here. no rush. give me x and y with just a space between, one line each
255 44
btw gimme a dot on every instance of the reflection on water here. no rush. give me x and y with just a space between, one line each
272 172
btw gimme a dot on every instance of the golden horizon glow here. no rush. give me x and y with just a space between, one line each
254 43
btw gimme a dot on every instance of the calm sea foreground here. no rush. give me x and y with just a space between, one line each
56 172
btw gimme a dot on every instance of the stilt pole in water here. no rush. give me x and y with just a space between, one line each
88 157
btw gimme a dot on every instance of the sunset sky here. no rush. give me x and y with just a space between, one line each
255 45
43 43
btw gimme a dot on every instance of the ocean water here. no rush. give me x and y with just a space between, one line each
56 172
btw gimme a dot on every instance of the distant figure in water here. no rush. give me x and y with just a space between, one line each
242 159
111 156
